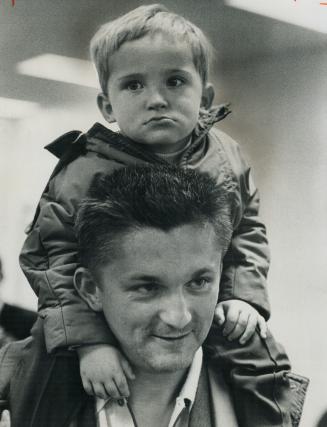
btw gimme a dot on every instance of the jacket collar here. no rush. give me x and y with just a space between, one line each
207 118
114 145
108 143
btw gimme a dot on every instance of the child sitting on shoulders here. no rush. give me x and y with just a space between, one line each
153 69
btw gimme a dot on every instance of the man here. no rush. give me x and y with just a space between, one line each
151 245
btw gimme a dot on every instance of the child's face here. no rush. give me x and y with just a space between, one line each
155 92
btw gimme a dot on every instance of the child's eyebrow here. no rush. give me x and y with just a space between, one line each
180 72
136 76
177 70
131 76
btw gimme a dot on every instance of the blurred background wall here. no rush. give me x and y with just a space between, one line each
273 73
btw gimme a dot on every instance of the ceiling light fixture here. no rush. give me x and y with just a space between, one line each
60 68
310 14
17 108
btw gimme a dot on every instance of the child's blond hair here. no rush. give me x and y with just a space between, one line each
149 19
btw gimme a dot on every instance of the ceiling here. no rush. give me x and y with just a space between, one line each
64 27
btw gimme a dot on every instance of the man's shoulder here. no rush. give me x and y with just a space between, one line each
221 396
45 386
10 356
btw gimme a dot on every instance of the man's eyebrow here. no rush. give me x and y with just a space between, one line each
149 278
144 278
204 270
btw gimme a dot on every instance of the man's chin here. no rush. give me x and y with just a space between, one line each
169 363
164 355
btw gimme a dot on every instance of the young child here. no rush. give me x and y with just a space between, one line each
153 70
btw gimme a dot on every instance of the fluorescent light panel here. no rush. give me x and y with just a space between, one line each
310 14
60 68
17 108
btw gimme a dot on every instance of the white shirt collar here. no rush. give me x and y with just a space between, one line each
185 399
187 394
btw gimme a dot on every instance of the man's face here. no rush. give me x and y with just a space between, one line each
155 92
159 293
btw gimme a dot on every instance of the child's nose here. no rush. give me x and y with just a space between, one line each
156 99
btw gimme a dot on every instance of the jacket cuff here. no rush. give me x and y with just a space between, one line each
245 285
63 330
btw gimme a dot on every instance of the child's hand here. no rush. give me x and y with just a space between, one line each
240 320
104 370
5 419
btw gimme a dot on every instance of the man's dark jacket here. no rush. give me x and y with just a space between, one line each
46 390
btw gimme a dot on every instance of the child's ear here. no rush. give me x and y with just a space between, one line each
87 288
208 94
105 107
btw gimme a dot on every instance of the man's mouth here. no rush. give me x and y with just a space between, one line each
173 337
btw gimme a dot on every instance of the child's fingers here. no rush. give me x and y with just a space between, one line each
240 327
231 321
99 390
127 369
219 315
250 329
5 419
121 384
262 327
112 390
87 387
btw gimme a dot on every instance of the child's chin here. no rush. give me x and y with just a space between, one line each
164 143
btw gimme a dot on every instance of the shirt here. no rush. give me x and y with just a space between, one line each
111 413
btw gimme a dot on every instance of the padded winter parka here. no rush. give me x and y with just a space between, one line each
49 255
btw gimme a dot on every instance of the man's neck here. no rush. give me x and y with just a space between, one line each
160 390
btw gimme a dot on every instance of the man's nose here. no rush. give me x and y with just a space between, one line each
156 99
176 313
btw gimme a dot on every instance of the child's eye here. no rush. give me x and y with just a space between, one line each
175 82
134 85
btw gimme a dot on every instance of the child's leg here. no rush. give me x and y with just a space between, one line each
256 373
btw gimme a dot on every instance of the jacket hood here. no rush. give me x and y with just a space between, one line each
117 147
207 118
113 145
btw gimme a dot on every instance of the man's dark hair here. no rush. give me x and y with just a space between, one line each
161 197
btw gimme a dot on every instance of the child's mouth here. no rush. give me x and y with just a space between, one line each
161 119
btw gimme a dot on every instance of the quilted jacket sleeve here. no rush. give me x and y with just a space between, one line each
49 258
246 263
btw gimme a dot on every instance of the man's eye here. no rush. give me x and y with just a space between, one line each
199 284
146 289
134 85
175 82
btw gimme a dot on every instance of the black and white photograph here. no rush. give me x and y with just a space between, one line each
163 171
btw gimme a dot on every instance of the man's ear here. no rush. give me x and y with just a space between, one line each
208 94
87 288
105 107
